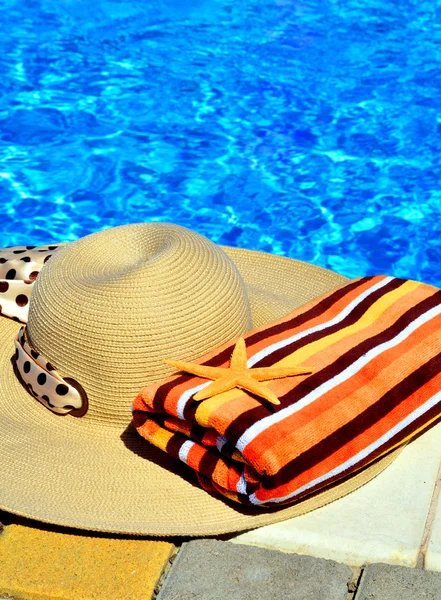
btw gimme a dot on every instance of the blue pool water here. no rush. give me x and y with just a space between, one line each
310 128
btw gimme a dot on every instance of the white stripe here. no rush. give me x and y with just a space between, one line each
362 454
182 402
337 319
270 349
263 424
241 486
220 442
184 450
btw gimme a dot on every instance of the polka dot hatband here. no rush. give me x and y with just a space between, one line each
61 396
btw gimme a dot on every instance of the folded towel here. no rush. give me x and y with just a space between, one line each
374 349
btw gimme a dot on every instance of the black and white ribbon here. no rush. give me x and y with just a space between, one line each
19 268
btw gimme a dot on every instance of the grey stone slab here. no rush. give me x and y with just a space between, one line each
389 582
214 570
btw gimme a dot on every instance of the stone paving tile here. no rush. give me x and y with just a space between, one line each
384 521
214 570
389 582
45 565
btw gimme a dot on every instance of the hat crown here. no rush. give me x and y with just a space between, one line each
109 308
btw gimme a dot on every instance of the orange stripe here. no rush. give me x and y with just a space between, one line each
327 355
220 474
148 428
161 438
329 412
329 314
357 444
400 412
195 455
172 399
220 411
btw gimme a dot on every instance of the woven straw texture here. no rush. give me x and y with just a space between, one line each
105 311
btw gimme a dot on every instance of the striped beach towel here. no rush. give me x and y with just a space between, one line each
374 346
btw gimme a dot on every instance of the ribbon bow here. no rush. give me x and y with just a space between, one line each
19 268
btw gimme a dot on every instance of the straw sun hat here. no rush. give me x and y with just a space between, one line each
105 311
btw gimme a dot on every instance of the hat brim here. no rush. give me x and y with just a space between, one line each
63 471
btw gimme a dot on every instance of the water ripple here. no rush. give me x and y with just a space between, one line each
308 128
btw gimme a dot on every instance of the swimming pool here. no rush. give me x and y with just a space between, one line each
309 128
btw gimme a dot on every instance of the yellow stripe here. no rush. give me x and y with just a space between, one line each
416 432
207 407
161 438
371 315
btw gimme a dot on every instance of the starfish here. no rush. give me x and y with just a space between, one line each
238 375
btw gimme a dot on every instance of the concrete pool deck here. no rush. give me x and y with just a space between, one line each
382 541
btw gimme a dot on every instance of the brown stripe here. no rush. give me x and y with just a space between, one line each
207 484
238 427
339 478
371 458
368 460
208 463
197 431
263 410
219 359
139 418
227 450
345 360
349 320
363 421
191 407
414 426
312 313
174 444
